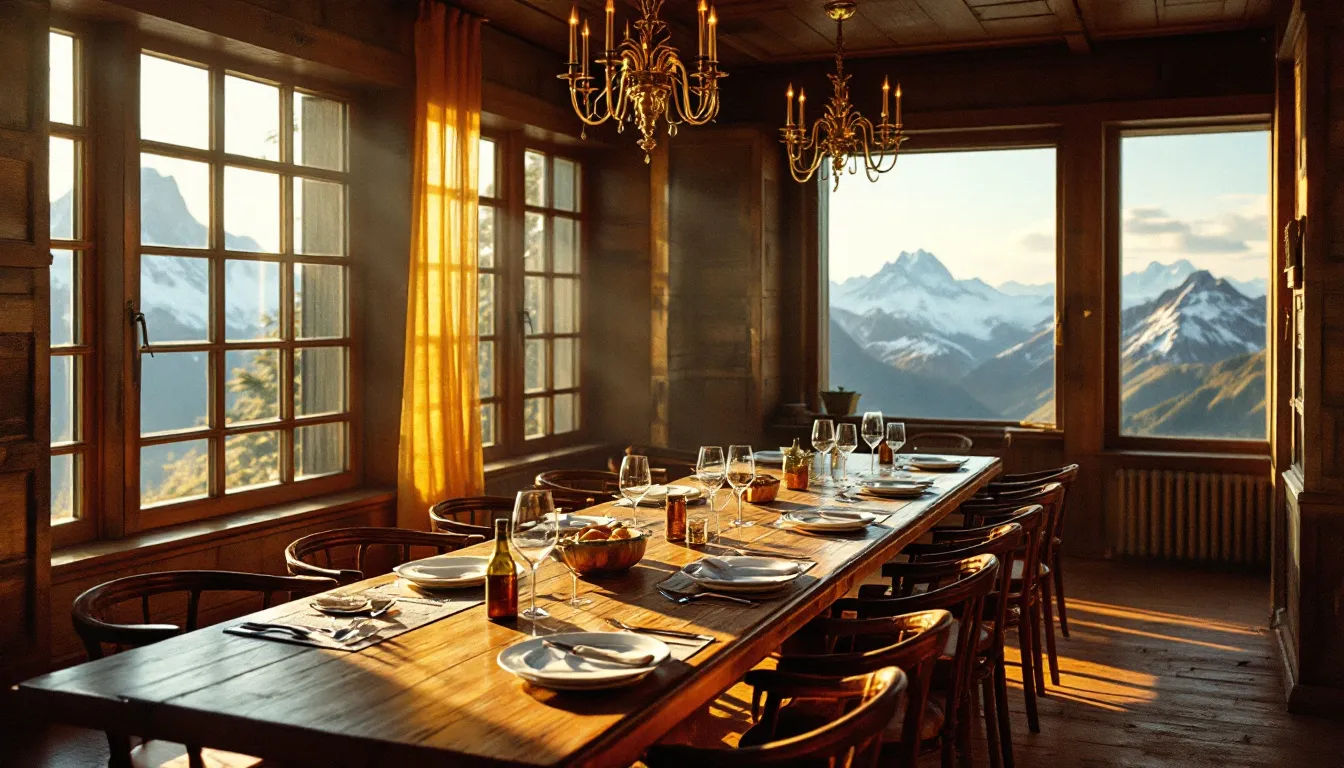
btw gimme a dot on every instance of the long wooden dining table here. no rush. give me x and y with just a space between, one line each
436 696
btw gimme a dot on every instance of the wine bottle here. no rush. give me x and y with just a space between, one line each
501 580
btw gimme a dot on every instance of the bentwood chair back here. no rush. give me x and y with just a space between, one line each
853 740
940 442
668 464
579 481
324 544
100 622
477 514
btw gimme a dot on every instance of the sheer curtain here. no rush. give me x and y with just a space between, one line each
440 448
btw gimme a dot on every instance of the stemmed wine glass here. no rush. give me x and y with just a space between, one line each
823 441
575 599
895 438
635 482
872 435
534 533
711 471
846 440
741 471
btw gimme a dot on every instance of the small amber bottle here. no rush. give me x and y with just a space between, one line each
885 456
676 517
501 580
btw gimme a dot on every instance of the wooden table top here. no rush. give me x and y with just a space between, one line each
435 696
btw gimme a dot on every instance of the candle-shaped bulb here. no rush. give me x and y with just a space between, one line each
573 34
886 91
585 47
611 21
898 103
802 104
713 35
700 28
788 114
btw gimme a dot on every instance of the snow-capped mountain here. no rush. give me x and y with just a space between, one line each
1156 279
1203 320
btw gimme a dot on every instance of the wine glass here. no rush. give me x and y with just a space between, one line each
635 482
846 440
823 441
534 532
711 471
895 438
575 599
871 430
741 471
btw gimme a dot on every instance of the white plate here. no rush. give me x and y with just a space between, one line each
657 495
446 571
935 462
583 521
894 491
547 667
769 457
746 574
829 520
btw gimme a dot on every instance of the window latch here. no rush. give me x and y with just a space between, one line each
137 318
527 321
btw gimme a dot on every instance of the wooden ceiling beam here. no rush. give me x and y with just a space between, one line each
1071 24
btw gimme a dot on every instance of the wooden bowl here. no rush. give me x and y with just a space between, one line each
604 557
763 490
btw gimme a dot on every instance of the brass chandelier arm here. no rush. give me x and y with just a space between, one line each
798 148
708 99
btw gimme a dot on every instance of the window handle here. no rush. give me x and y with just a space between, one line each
527 321
137 318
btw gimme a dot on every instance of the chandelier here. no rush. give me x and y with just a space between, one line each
842 135
644 79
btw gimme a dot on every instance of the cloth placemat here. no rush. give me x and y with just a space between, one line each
415 608
683 648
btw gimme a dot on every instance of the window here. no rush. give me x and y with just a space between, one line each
1195 253
242 282
529 321
71 272
941 283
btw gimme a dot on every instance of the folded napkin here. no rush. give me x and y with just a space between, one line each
772 569
844 515
595 653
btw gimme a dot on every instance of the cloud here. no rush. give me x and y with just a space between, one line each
1232 233
1038 242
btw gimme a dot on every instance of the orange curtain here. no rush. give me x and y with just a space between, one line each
440 449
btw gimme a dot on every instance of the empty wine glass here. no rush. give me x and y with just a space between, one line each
872 435
575 599
711 470
741 471
846 440
534 532
895 439
635 481
823 441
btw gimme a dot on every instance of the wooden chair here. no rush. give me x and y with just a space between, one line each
97 626
1014 486
299 550
668 464
477 514
959 587
939 442
580 481
854 739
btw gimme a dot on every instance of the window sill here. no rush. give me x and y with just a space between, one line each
100 554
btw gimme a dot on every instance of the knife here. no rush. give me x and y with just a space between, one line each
667 633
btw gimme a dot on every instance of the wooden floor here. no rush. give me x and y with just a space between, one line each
1166 667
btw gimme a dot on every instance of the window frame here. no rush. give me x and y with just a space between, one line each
1113 265
935 141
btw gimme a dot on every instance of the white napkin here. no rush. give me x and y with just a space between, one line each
722 570
625 658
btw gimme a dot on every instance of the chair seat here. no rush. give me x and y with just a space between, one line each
167 754
1018 565
950 648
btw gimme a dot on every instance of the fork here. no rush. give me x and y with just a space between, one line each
682 599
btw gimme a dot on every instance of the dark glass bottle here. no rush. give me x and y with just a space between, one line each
501 580
885 456
676 517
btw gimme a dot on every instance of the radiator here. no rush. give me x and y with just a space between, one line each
1192 516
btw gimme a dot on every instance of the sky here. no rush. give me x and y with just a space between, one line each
991 214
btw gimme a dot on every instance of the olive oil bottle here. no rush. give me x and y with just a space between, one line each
501 580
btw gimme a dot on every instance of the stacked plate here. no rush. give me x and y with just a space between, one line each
446 571
747 574
547 666
896 489
936 463
657 495
828 520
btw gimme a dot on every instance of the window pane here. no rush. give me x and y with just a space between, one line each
319 217
319 132
174 202
485 363
174 102
485 237
319 380
534 246
534 182
251 118
175 297
1195 257
252 385
566 413
566 305
319 450
566 244
62 160
174 392
960 323
485 304
566 186
251 210
488 169
534 417
64 280
64 506
564 364
251 299
174 472
534 366
487 425
251 460
62 80
64 403
534 303
319 301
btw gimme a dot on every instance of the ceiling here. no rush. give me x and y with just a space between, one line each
762 31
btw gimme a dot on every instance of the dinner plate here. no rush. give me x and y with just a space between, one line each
446 571
829 520
746 574
920 461
550 667
583 521
896 490
769 457
657 495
